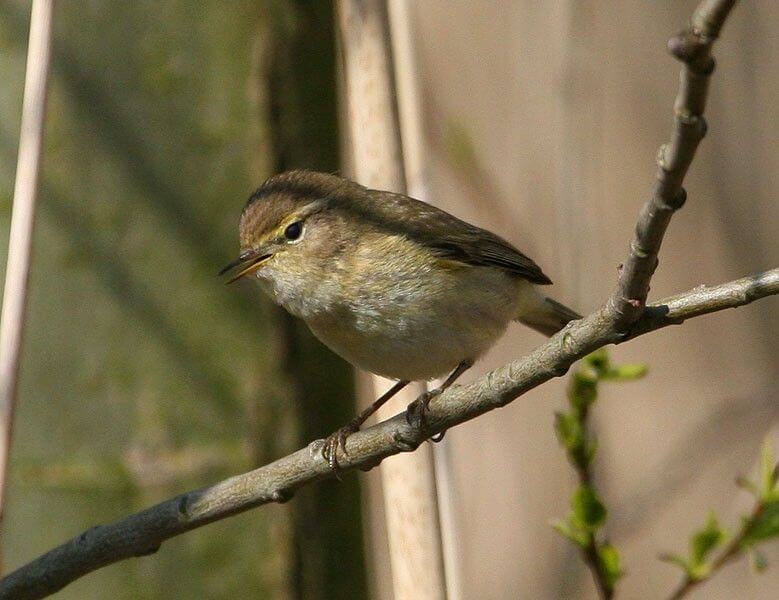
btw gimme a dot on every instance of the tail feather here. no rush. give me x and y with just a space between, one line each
548 317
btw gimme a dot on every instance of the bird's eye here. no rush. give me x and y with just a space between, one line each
293 231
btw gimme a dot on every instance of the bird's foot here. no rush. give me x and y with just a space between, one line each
335 441
416 412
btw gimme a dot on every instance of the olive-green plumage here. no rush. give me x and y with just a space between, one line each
395 286
443 234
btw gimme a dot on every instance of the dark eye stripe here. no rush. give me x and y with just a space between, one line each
293 231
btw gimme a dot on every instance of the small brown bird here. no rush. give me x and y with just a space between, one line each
395 286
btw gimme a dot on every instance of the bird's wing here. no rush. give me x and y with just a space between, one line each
453 238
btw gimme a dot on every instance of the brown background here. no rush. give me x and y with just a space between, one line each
542 122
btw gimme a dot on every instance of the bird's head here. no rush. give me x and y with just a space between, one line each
293 231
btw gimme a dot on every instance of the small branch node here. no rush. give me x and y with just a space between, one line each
692 48
696 123
680 199
688 46
660 157
703 67
707 67
637 250
315 448
404 443
634 302
672 204
182 509
567 344
560 370
281 496
84 537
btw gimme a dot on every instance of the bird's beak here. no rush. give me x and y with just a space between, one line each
246 263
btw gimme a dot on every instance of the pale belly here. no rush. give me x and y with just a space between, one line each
422 328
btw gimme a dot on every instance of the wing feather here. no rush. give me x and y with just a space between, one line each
451 238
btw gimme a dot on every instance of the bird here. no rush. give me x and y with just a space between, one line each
393 285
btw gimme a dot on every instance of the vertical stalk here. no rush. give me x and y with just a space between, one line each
408 481
22 223
409 99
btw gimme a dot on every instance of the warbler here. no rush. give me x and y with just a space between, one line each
393 285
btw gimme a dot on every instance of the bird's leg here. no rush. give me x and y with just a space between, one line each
421 405
338 439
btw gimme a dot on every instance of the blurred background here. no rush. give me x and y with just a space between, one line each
143 376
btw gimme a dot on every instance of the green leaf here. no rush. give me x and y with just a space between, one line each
764 526
768 471
572 532
599 361
626 372
693 572
588 510
698 572
589 450
757 560
569 430
572 436
678 560
706 540
748 485
610 563
582 391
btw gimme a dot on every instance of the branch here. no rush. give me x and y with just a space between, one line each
693 48
144 532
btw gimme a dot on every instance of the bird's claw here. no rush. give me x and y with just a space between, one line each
416 413
335 441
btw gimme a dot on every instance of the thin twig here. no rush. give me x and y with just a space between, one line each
731 552
142 533
693 48
627 304
22 223
591 559
415 167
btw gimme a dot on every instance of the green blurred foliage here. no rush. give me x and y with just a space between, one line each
143 376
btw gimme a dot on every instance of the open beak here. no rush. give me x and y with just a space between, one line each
247 262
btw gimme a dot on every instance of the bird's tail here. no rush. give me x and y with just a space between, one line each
546 316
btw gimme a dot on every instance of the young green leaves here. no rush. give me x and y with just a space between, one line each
702 543
587 516
764 522
761 525
588 513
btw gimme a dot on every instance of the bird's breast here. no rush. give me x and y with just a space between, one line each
415 317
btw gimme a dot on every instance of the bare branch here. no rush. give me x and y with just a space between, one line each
143 532
693 48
